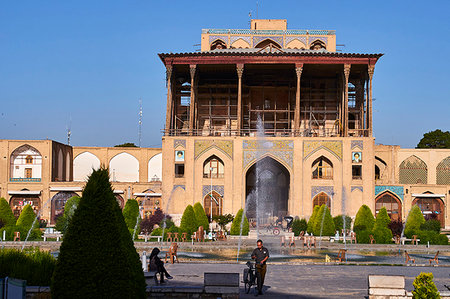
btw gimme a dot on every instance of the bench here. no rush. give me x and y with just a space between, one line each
386 286
146 237
403 240
150 276
221 283
408 258
56 236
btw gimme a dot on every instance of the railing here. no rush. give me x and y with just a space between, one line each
269 32
214 176
24 179
322 177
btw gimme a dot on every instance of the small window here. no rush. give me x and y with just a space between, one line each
29 160
322 169
357 172
179 170
28 173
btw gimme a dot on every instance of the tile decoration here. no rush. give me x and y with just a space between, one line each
258 39
302 39
443 172
360 188
311 39
357 143
179 142
207 189
397 190
225 146
326 189
310 147
213 38
254 150
247 39
181 186
413 171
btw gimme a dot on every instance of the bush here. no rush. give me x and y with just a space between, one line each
414 221
188 223
236 225
131 213
433 237
364 219
324 216
9 235
312 219
200 216
69 209
339 222
223 220
26 218
431 225
382 235
298 226
147 224
36 267
6 214
383 220
363 236
97 251
424 287
396 227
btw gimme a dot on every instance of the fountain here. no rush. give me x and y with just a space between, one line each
165 216
34 222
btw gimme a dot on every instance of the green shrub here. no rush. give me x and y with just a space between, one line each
223 220
431 225
298 226
364 219
440 240
312 219
69 209
383 220
35 234
433 237
171 229
188 222
363 236
236 224
324 216
26 218
6 214
200 217
36 267
382 235
97 252
414 221
339 222
131 213
424 287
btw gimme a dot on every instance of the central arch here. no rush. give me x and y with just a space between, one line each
267 188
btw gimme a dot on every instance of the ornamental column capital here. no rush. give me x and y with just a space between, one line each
347 70
240 70
370 71
299 69
192 69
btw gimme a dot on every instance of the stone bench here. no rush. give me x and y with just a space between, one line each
56 236
146 237
150 278
221 283
386 286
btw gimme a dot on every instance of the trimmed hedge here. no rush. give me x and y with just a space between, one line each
6 214
69 209
299 225
312 219
200 217
431 225
188 222
413 222
131 212
339 222
26 218
97 257
236 224
324 216
364 219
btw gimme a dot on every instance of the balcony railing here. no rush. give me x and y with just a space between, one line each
269 32
24 179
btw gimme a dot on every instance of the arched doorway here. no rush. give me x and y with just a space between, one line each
214 201
58 202
322 199
392 204
17 202
431 207
267 188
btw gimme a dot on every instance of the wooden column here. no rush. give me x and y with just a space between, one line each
240 71
345 110
298 71
169 109
370 71
360 103
192 69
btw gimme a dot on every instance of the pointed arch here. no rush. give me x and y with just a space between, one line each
380 167
266 42
26 164
240 43
83 164
413 170
124 167
155 168
431 207
391 202
218 44
317 44
268 155
322 168
215 201
213 167
443 172
295 44
322 199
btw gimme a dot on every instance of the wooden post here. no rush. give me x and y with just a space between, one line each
370 71
240 71
346 76
169 110
298 70
192 69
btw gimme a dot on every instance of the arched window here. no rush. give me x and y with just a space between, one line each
380 167
218 44
391 203
443 172
268 42
377 172
322 199
29 160
317 45
322 169
213 168
432 208
26 164
214 200
413 171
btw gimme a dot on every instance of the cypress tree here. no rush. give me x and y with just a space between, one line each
414 221
324 217
236 224
188 223
200 216
6 214
97 258
381 231
364 219
131 212
312 219
26 218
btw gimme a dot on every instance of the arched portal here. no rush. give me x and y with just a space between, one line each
431 207
215 201
58 202
17 202
392 204
322 199
267 190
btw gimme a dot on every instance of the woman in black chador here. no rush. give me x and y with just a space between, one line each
157 265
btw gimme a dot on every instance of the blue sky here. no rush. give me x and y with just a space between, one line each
91 61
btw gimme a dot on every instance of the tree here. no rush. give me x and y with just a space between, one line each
381 231
69 209
6 215
126 144
188 223
424 287
200 216
236 225
26 218
323 224
149 223
413 222
312 219
97 258
339 222
364 219
223 220
131 213
299 225
435 139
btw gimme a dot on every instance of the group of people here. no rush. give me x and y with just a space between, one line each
260 254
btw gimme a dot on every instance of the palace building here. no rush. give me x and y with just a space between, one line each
269 108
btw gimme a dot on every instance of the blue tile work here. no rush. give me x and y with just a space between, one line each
397 190
360 188
317 189
269 32
258 39
311 39
207 189
212 38
179 142
302 39
281 149
357 143
248 39
181 186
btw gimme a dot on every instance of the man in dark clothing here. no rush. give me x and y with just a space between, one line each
260 255
157 265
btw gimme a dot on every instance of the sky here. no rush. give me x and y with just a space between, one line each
85 64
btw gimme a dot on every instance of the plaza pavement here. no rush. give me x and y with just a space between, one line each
308 281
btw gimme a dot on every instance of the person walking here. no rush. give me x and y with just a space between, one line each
157 265
260 255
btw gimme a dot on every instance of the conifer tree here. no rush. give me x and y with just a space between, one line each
6 214
364 219
200 216
312 219
188 223
323 222
413 222
236 224
26 218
